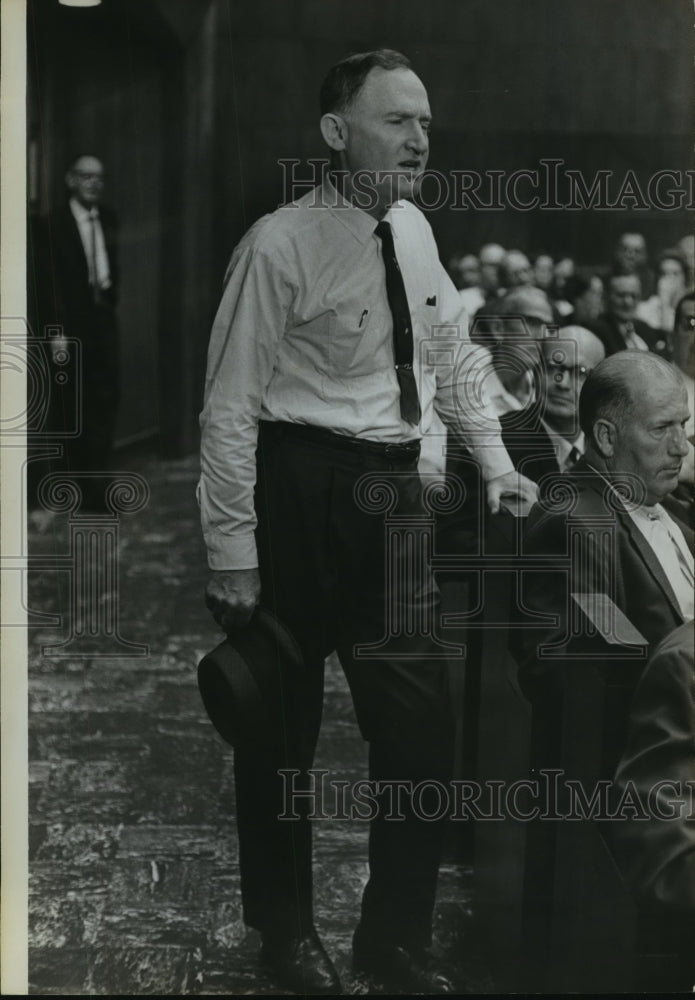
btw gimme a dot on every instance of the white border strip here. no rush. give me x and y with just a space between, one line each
13 639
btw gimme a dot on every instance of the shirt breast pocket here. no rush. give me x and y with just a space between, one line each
348 350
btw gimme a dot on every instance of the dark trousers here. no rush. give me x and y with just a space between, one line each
99 394
323 563
84 404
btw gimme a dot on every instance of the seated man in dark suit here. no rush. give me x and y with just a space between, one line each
605 575
547 438
655 848
614 537
618 328
544 436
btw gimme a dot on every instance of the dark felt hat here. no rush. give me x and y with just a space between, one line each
244 681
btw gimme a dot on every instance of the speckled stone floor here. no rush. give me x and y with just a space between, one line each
133 880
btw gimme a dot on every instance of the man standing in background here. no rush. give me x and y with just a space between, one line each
81 274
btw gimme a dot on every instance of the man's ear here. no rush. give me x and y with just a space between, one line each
605 434
70 180
334 131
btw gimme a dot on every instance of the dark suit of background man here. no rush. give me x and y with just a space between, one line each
83 282
618 328
633 409
655 850
547 439
313 381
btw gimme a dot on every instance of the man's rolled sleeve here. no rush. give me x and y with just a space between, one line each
249 324
462 397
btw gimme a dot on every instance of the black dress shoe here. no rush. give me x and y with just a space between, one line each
300 964
400 969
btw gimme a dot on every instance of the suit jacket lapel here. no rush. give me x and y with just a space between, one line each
637 539
653 565
74 239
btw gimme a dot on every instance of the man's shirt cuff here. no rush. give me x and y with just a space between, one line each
494 460
230 552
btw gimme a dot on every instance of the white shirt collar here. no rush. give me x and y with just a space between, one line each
81 213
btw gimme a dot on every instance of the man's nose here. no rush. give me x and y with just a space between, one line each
418 140
679 444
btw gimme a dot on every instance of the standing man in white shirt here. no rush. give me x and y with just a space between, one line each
316 377
82 274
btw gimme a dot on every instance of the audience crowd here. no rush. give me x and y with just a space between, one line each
591 372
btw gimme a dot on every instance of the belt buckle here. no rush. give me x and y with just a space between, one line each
395 451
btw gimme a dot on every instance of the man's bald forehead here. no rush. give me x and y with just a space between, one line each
384 84
641 370
88 164
587 342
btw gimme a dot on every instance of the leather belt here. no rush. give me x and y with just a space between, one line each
406 451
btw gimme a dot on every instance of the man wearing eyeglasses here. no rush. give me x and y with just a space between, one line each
546 437
83 294
683 347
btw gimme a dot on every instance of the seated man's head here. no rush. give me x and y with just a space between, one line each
633 409
543 271
683 336
516 270
491 256
375 118
630 253
531 305
567 363
624 293
564 269
522 319
585 295
465 270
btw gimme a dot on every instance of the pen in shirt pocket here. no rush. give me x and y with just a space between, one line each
365 313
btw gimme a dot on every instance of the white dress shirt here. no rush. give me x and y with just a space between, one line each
670 548
632 339
93 244
303 333
668 544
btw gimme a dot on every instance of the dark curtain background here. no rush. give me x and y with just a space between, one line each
192 104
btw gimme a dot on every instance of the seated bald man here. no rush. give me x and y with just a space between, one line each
615 537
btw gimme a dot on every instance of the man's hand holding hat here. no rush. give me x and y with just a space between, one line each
232 595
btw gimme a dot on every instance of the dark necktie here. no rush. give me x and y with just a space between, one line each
573 457
402 327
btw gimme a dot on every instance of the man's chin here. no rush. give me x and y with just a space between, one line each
405 186
668 481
